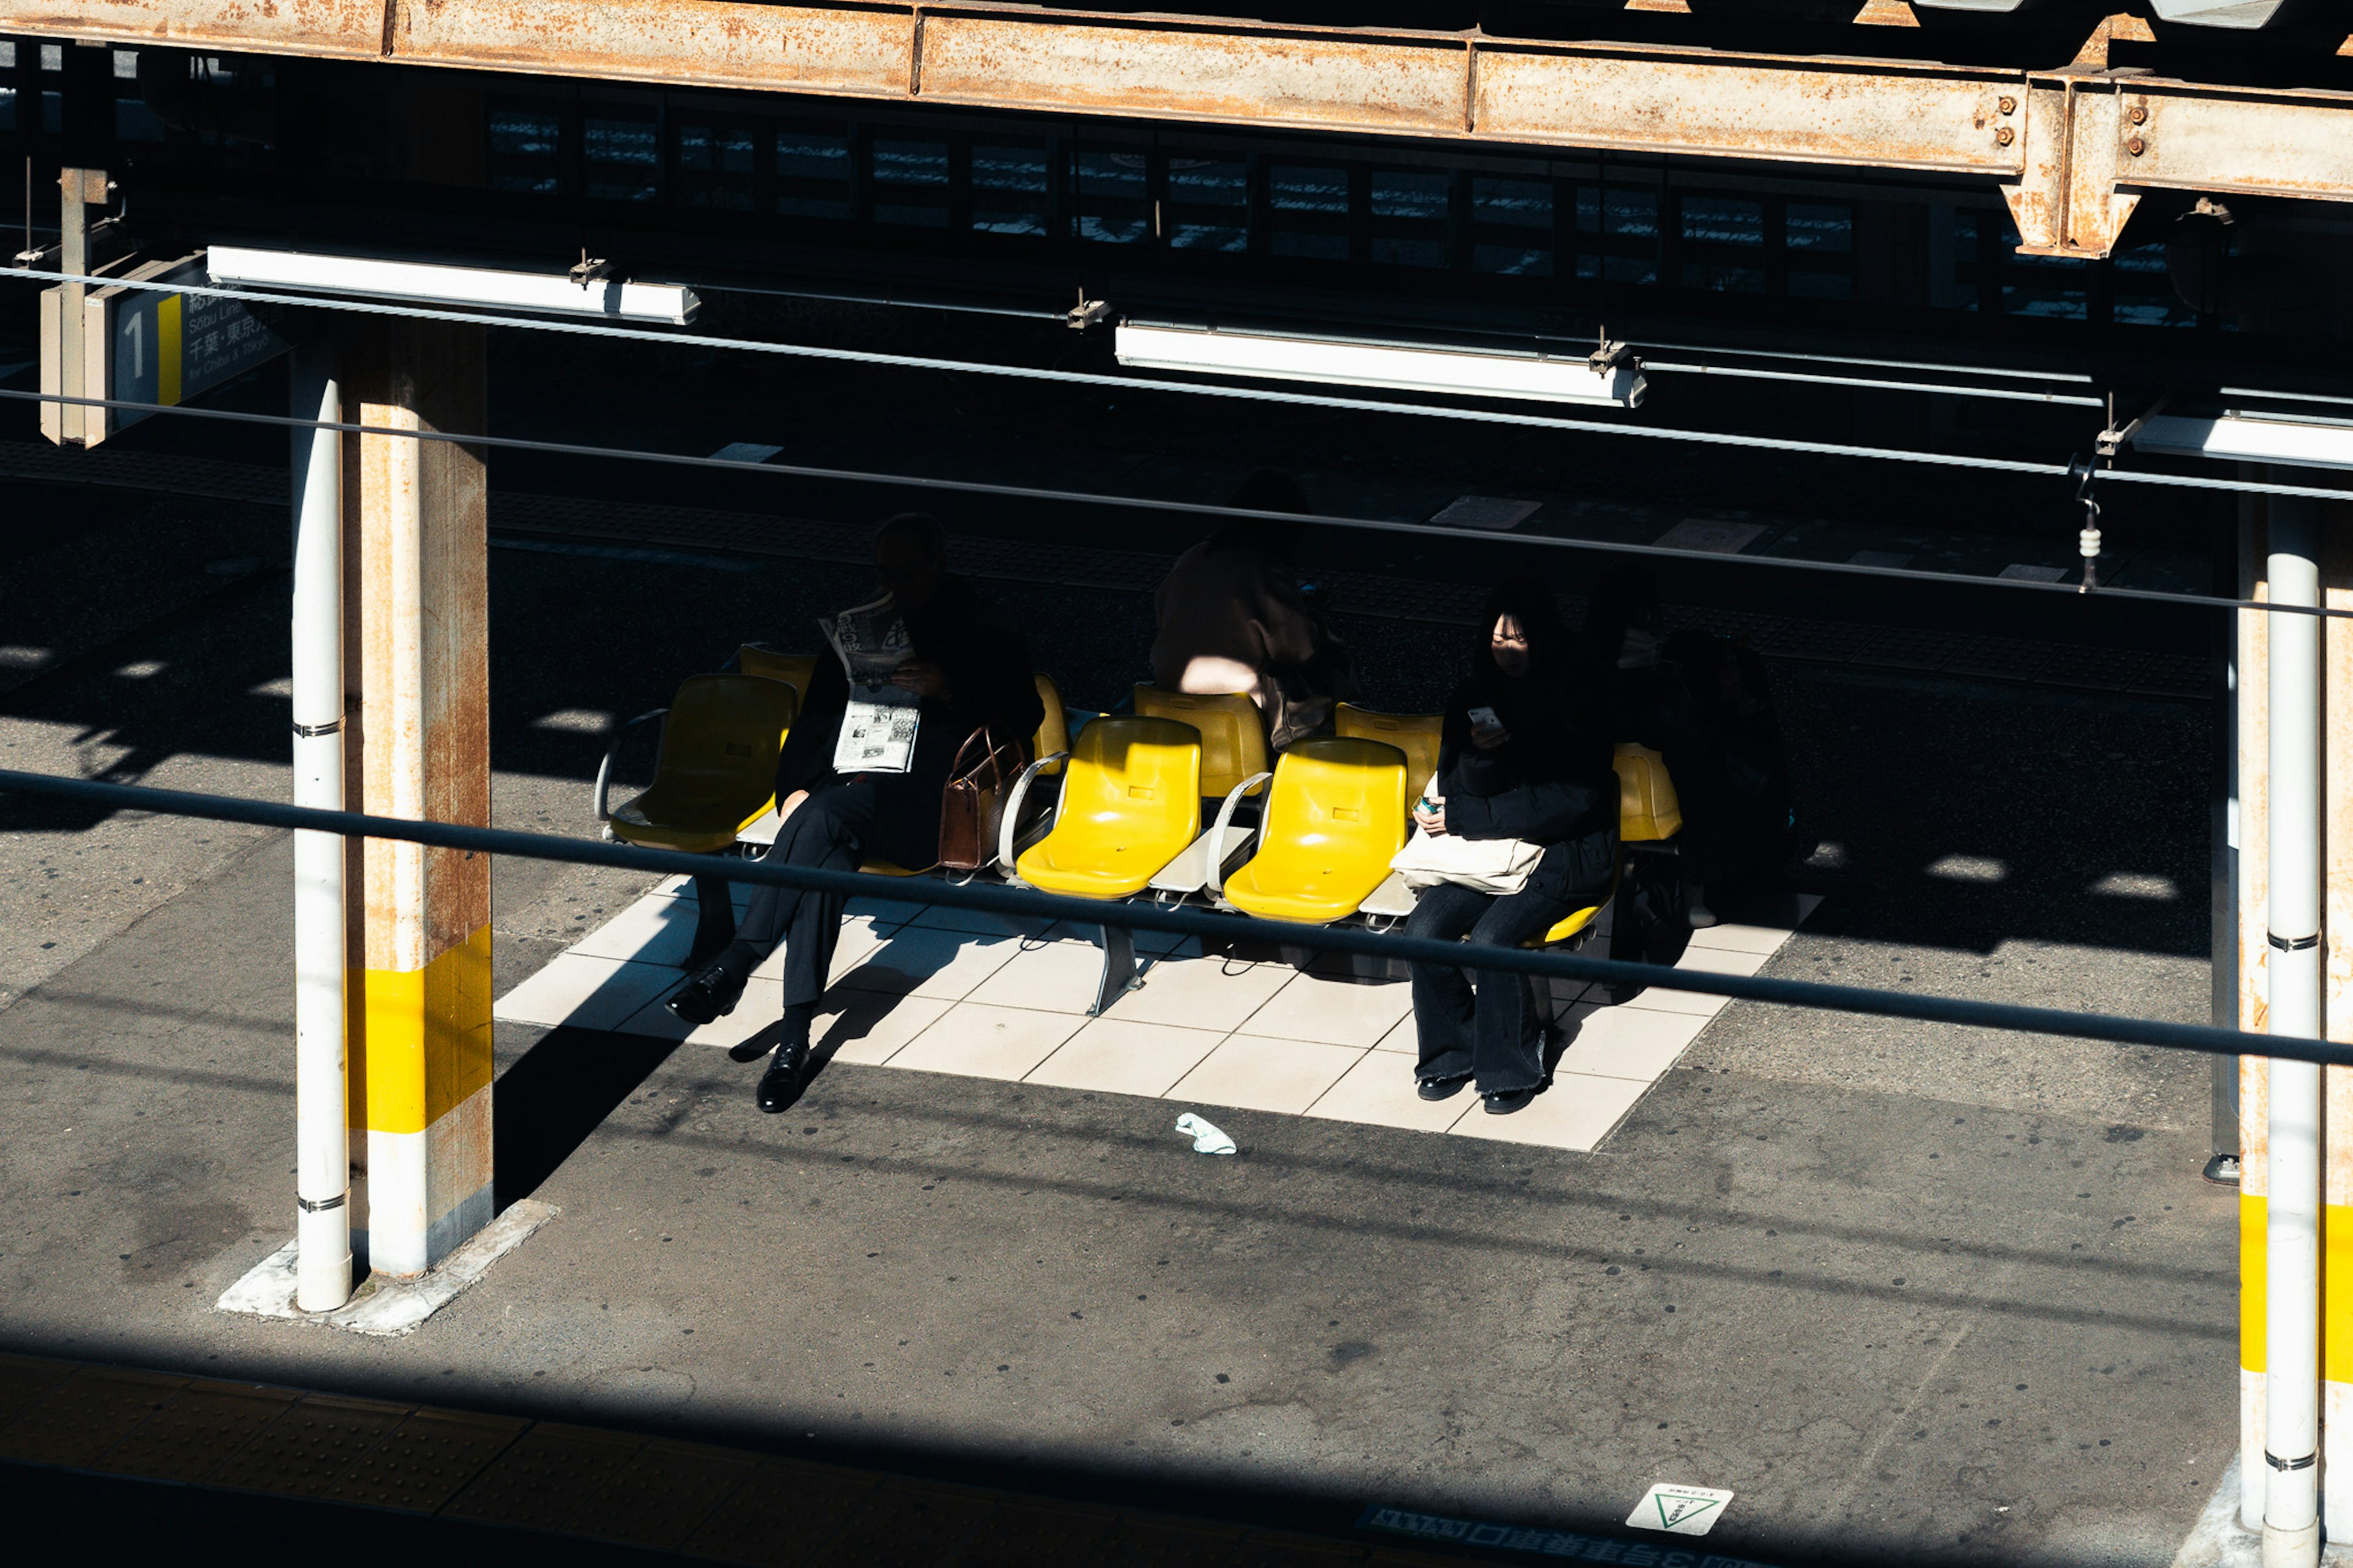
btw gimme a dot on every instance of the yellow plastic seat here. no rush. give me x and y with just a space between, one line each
793 669
721 735
1572 924
1335 816
1233 732
1130 803
1648 810
1054 730
1415 734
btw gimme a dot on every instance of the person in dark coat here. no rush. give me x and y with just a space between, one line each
1533 764
970 668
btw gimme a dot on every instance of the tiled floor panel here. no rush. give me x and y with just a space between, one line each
953 991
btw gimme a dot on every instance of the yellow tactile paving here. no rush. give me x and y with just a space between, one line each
724 1504
309 1447
187 1437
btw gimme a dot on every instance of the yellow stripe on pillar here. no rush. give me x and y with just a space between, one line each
168 350
420 1039
2336 1288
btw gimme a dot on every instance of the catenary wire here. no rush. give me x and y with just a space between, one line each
1090 378
1190 921
1069 377
1192 508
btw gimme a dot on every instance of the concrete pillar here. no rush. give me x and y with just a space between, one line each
416 580
2251 840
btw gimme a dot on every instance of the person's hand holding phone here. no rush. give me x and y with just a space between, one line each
1487 731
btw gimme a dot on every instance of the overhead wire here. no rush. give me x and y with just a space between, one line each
1188 508
1198 389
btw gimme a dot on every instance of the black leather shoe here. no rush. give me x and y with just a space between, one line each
1439 1087
1505 1101
712 993
780 1086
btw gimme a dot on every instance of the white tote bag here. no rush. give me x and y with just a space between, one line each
1498 865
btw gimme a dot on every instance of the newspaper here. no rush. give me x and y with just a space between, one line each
878 730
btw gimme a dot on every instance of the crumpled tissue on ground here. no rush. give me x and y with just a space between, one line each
1206 1140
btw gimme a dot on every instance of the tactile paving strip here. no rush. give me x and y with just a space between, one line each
189 1436
423 1462
309 1447
722 1504
85 1415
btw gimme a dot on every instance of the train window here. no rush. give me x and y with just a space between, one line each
813 171
1114 197
1512 227
1618 228
910 182
1309 206
53 113
2047 287
1721 241
53 57
526 147
715 166
2143 293
1408 217
1208 204
622 157
1012 189
1819 228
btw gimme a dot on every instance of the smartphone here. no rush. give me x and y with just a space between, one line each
1485 718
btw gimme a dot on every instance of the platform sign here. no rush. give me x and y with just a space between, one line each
144 345
167 348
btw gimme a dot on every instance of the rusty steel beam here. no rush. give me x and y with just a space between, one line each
2063 146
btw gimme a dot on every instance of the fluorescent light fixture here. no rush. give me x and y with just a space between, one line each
550 293
1466 373
2242 437
2246 15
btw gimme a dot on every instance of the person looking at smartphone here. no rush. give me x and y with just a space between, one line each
1525 753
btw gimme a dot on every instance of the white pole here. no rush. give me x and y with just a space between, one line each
2292 1247
322 1159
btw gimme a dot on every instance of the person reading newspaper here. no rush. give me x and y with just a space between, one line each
917 671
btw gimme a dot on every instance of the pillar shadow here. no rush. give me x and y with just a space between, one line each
548 1102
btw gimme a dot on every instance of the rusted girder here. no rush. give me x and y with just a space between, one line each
2071 150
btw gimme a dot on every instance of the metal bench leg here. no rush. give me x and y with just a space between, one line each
1119 973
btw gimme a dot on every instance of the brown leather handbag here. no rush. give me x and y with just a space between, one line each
973 805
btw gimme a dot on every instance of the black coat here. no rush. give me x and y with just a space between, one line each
1550 783
981 651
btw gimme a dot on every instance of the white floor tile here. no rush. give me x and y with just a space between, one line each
945 964
1692 1003
1401 1041
1334 1011
1576 1113
1261 1074
1716 961
1058 976
1733 938
1201 993
872 1027
585 992
651 930
762 1004
1379 1089
986 1042
885 911
1625 1042
1120 1058
859 936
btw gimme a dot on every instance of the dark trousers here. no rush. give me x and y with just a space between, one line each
1474 1022
828 832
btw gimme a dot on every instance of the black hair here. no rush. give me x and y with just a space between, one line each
921 527
1530 602
1268 490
